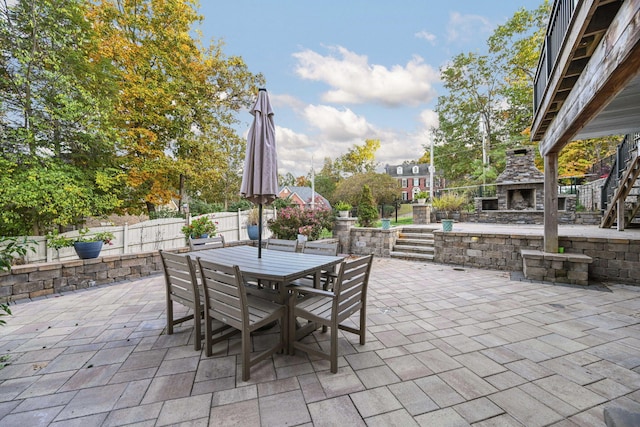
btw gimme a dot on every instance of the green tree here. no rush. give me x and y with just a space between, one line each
56 104
488 104
383 188
175 97
367 212
359 159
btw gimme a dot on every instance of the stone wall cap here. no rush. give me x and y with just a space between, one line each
536 254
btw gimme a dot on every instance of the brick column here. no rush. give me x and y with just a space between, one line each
342 231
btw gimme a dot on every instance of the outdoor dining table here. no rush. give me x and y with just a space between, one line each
274 266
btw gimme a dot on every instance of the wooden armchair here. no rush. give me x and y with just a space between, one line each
181 283
332 308
206 243
282 245
320 248
226 300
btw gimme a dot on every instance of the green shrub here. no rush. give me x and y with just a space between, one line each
367 212
294 220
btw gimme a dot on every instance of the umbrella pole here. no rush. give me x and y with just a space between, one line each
260 231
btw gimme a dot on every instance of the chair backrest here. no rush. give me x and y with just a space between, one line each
180 278
224 293
320 248
282 245
206 243
351 286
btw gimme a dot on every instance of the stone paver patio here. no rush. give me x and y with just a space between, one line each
446 347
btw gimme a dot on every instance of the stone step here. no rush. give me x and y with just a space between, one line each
419 229
415 242
414 249
416 236
411 256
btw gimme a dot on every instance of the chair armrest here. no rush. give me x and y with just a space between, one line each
308 290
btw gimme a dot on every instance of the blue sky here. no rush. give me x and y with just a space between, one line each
340 72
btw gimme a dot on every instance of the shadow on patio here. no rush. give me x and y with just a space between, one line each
446 346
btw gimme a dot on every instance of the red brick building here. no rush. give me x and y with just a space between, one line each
414 178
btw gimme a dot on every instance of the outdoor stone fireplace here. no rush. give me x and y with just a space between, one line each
519 194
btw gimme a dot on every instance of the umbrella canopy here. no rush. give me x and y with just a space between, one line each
260 176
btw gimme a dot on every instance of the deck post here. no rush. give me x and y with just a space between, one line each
551 202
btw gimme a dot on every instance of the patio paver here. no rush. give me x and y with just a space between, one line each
444 347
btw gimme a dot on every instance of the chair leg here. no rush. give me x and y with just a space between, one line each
291 330
334 349
246 353
169 317
208 339
363 327
197 315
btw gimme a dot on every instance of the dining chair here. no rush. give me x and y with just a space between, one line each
181 283
206 243
282 245
226 300
332 308
315 247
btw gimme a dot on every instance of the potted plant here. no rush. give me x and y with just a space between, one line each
199 228
343 209
448 203
421 196
253 217
86 246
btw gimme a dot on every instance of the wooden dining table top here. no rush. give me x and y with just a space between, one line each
274 265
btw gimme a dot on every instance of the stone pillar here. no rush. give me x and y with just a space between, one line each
342 231
551 203
421 214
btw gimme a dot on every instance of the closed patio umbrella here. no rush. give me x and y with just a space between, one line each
260 176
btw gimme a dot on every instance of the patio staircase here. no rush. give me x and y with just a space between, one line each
415 243
622 190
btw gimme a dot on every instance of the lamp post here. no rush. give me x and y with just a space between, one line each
432 170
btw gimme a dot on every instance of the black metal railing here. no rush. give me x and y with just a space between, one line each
559 21
624 152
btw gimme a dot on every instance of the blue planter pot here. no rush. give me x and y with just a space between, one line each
447 224
252 231
386 223
87 250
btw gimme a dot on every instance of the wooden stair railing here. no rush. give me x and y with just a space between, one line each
625 186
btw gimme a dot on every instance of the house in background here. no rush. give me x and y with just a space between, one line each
588 85
413 178
302 196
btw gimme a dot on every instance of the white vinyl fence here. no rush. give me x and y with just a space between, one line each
150 235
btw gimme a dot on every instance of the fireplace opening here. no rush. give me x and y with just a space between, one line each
520 199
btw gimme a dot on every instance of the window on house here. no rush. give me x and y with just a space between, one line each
405 196
404 183
416 169
416 182
415 191
399 170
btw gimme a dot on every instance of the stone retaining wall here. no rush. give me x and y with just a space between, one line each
615 260
38 280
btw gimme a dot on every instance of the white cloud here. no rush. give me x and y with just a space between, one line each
289 101
429 119
295 150
340 125
465 28
430 37
354 80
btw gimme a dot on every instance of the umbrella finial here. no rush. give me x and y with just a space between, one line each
262 89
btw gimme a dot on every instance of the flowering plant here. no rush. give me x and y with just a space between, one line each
295 220
305 230
55 241
199 227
